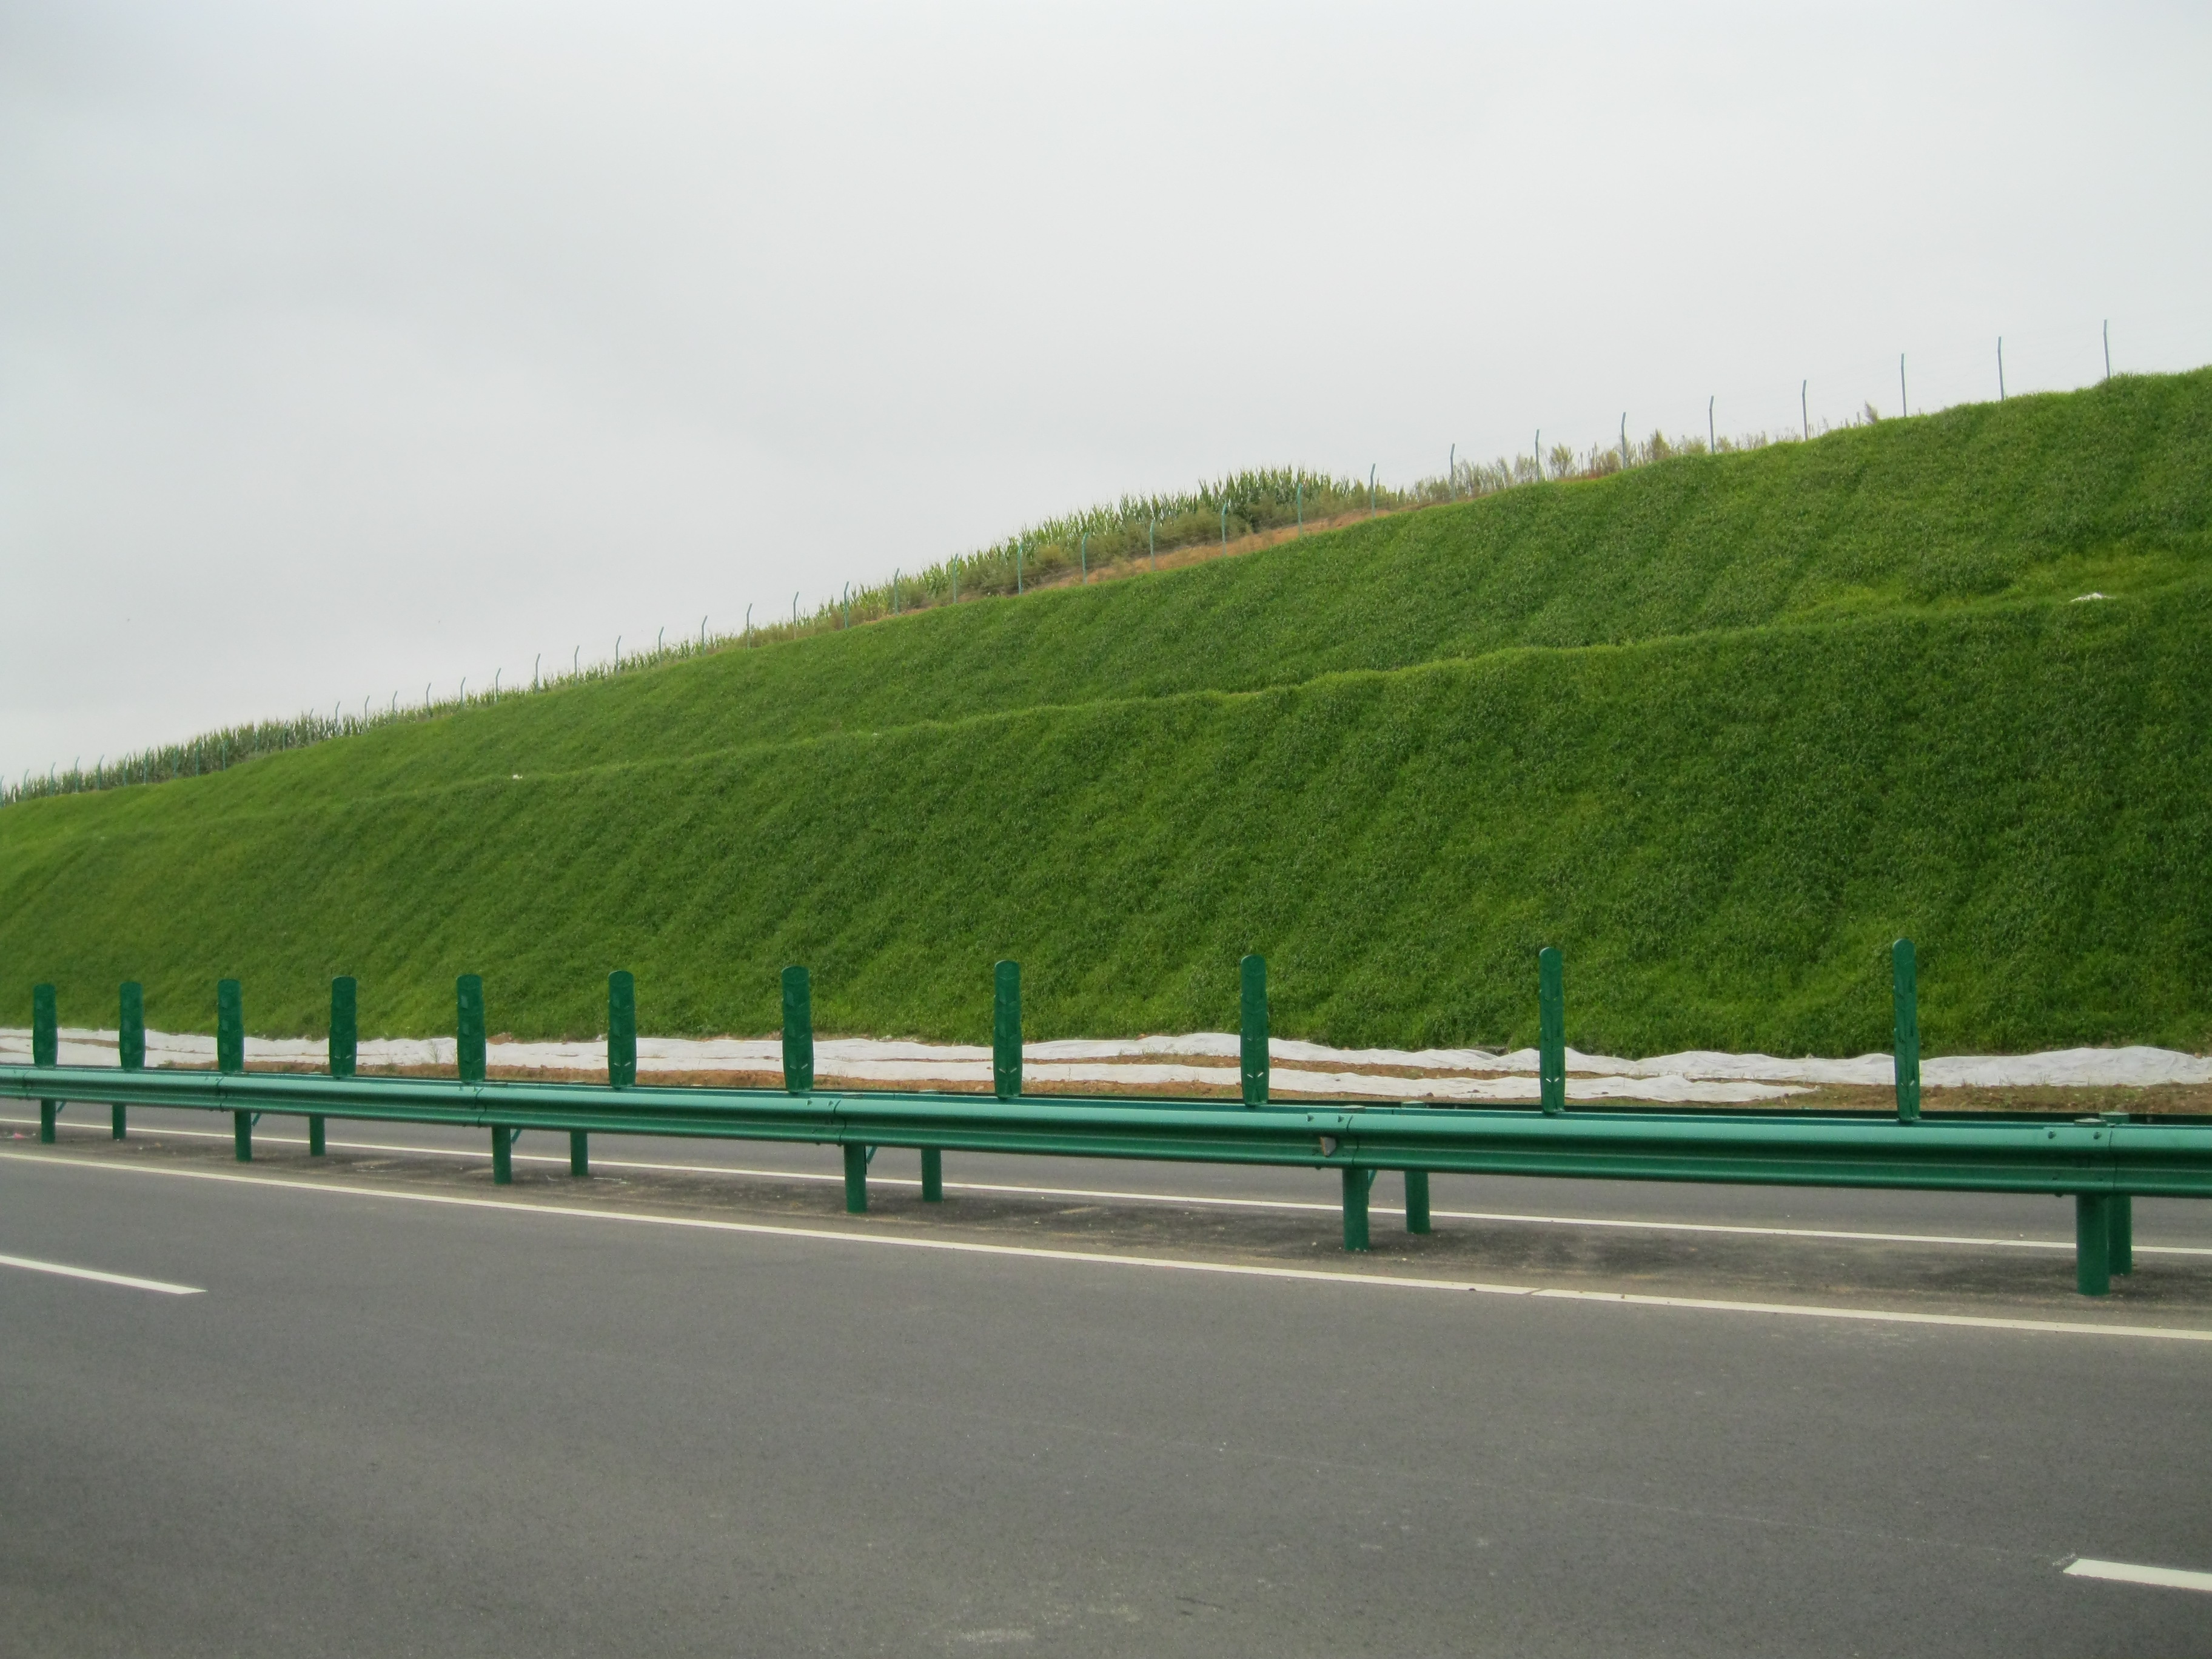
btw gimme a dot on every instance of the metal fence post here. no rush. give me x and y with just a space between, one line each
932 1176
230 1058
856 1179
1006 1030
798 1031
1417 1200
1904 999
46 1050
129 1046
1356 1183
1551 1032
1253 1050
2092 1244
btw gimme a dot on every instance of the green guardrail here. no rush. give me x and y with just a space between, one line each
2103 1161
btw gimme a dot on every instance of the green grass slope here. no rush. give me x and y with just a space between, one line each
1719 728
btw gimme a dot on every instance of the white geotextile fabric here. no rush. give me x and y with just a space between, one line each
1299 1067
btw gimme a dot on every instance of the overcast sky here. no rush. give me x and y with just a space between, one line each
347 348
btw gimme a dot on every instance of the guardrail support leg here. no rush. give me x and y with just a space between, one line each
315 1137
502 1156
856 1180
47 1108
2092 1244
241 1136
1417 1200
2120 1231
1356 1183
580 1153
118 1121
932 1176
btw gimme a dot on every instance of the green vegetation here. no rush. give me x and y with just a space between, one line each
1720 727
1105 541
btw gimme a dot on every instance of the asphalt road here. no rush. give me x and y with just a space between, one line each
422 1415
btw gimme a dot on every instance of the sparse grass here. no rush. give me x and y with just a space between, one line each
1720 727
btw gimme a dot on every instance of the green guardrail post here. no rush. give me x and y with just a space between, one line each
230 1058
579 1154
229 1027
622 1059
345 1026
345 1048
130 1026
1551 1032
622 1029
46 1050
932 1176
856 1179
2092 1244
1356 1185
1417 1200
798 1031
46 1027
2120 1232
1904 997
1006 1030
469 1027
1252 1051
130 1046
469 1058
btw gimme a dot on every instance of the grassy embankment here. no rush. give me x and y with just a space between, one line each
1719 727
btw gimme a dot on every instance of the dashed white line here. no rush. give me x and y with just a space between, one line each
1968 1241
126 1281
1349 1280
2126 1572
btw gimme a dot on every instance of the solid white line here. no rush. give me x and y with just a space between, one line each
1842 1235
964 1247
2126 1572
98 1278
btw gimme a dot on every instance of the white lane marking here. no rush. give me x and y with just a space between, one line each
1170 1264
2126 1572
98 1278
1842 1235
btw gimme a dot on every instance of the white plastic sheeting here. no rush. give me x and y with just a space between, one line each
1300 1068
